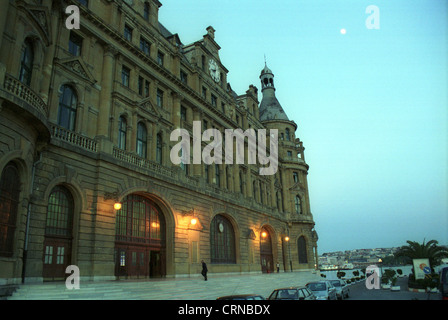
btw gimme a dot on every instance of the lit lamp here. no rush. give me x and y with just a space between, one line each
264 234
192 215
113 196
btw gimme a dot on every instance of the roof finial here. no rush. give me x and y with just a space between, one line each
265 60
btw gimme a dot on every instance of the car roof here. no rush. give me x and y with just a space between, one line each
240 296
289 288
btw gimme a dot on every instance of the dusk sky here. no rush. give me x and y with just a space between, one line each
370 104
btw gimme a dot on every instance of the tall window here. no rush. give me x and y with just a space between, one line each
159 98
59 213
9 205
75 44
145 46
301 244
67 108
122 127
146 11
217 175
128 32
222 241
288 135
159 148
241 183
125 76
142 135
298 205
26 63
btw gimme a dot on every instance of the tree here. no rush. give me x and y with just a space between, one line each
430 250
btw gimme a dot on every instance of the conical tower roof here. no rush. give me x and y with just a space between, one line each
270 108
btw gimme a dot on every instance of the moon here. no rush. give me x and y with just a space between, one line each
343 31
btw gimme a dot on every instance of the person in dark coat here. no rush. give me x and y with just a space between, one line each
204 270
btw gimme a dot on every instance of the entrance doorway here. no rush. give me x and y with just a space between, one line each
139 239
58 234
266 256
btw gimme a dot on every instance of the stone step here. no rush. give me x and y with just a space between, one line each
194 288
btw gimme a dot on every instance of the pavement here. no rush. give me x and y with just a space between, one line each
194 288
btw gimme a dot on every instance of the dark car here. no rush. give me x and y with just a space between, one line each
292 293
242 297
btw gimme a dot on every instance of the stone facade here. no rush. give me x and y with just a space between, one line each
131 83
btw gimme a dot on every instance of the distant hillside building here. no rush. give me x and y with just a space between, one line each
86 177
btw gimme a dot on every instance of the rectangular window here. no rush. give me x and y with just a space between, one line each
183 113
125 76
128 33
140 85
214 101
48 255
183 77
159 98
75 44
146 89
146 11
145 46
160 58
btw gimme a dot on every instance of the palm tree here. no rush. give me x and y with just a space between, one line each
430 250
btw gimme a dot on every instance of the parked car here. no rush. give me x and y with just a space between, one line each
292 293
342 289
242 297
323 290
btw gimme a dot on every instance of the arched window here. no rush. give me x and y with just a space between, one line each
139 221
67 108
288 135
222 240
159 148
122 127
142 135
301 245
59 213
26 63
298 204
9 204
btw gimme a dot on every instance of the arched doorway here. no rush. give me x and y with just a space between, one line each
58 234
140 247
266 256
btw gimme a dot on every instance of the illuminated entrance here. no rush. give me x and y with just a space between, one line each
139 239
267 259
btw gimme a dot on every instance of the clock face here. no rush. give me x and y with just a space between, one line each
214 70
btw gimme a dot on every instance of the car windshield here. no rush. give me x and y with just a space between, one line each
317 286
287 294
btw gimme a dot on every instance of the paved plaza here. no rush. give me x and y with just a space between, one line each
194 288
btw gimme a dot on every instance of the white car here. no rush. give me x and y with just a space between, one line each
342 289
323 290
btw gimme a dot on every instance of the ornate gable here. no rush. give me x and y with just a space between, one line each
77 67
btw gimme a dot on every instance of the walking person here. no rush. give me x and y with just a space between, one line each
278 267
204 270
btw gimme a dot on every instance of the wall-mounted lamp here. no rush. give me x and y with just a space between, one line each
286 238
192 215
113 196
264 234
